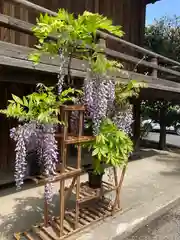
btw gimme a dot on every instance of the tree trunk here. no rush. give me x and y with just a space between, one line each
162 137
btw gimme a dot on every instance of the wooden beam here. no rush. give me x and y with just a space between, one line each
136 47
33 6
138 61
102 34
19 52
16 24
25 27
17 56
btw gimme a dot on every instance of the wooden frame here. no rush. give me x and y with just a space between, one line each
90 204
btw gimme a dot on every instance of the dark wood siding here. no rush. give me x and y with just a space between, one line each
130 14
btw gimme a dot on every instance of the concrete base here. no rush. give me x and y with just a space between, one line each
151 186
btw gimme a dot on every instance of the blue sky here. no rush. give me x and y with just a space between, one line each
161 8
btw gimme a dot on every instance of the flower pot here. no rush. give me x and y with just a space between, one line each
95 180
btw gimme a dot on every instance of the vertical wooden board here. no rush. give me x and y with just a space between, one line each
110 9
3 128
142 22
6 32
1 11
89 5
103 7
97 6
32 15
12 14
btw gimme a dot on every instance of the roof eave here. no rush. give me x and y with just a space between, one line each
151 1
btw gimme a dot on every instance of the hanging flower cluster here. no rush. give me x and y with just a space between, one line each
35 136
124 120
99 95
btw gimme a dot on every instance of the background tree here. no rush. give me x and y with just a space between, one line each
163 37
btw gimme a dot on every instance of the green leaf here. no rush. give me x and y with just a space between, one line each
95 152
17 99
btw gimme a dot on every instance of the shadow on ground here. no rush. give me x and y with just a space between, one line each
28 211
145 153
172 163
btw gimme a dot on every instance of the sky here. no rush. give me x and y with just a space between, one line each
161 8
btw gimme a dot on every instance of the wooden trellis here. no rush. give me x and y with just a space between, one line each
90 204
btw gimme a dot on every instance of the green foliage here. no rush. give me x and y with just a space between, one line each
42 106
74 36
163 37
111 146
101 65
124 92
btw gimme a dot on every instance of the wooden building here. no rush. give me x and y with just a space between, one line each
18 75
130 14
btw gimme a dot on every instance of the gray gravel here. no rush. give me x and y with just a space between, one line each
167 227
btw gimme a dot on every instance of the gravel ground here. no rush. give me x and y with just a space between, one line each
166 227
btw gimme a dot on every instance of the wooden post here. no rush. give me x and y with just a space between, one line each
163 109
78 167
64 115
137 123
154 71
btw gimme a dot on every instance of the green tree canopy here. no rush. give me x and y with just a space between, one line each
163 37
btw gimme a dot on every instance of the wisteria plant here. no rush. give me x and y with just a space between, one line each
69 37
111 147
37 114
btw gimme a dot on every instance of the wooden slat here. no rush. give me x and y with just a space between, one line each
138 48
82 139
84 215
70 221
39 233
25 64
85 211
138 61
104 205
73 107
55 226
69 168
80 220
33 6
94 211
49 233
66 224
28 236
58 177
16 24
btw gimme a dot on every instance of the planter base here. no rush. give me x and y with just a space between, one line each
88 216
